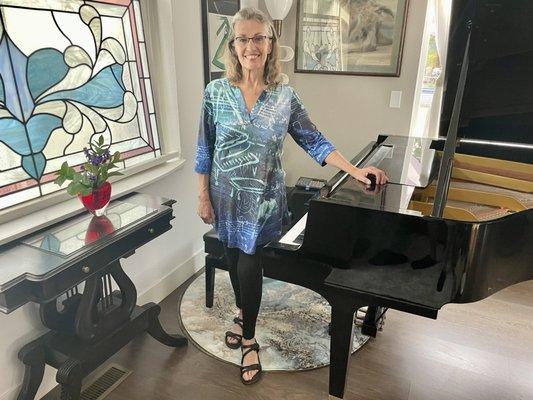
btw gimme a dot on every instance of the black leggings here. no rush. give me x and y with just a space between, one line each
246 274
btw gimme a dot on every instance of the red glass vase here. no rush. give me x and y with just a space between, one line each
98 228
97 201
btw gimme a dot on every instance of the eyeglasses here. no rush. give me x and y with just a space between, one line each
258 40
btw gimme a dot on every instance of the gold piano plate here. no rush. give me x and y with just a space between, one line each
481 189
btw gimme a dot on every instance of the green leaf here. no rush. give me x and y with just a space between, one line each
72 188
116 157
60 180
75 188
70 173
85 180
103 177
101 140
85 191
114 173
64 168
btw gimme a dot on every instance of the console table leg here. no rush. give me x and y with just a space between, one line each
70 376
158 333
32 355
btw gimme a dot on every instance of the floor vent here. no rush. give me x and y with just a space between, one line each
105 382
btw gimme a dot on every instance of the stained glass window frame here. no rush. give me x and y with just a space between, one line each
136 60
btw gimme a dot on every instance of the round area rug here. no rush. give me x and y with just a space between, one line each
292 327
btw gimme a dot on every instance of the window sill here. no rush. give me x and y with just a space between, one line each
21 220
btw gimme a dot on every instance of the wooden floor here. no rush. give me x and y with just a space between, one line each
477 351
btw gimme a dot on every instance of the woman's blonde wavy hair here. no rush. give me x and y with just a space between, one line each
272 65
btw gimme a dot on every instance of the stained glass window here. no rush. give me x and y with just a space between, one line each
70 70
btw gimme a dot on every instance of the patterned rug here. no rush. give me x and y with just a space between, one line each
292 327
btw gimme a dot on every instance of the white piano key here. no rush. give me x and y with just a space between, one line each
294 232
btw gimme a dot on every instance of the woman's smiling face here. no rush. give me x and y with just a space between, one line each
252 44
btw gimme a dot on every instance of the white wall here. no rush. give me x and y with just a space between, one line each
350 110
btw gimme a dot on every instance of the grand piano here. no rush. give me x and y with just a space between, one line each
455 222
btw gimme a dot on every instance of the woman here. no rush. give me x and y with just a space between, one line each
245 117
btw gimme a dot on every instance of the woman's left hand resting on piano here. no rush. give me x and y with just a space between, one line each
336 159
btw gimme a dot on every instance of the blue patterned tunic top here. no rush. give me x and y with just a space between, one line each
241 152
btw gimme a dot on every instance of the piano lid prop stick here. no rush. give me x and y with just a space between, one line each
446 165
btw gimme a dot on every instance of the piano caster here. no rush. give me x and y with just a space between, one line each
371 320
381 323
360 316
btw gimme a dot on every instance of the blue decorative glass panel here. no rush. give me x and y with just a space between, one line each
81 72
2 100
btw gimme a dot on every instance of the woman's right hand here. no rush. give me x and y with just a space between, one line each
205 211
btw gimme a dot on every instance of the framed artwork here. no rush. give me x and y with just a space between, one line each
216 25
350 37
81 71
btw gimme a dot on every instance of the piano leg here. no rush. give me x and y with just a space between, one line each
341 345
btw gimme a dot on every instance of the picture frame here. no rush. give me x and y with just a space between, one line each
216 20
331 39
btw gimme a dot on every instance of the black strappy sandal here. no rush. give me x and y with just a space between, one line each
254 367
233 335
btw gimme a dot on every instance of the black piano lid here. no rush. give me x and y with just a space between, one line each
498 100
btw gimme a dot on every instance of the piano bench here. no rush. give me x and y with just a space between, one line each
214 258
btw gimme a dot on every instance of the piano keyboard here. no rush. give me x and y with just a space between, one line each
295 235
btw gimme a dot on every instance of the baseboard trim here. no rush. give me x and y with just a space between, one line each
170 282
10 394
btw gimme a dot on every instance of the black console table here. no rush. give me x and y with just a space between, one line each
73 271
